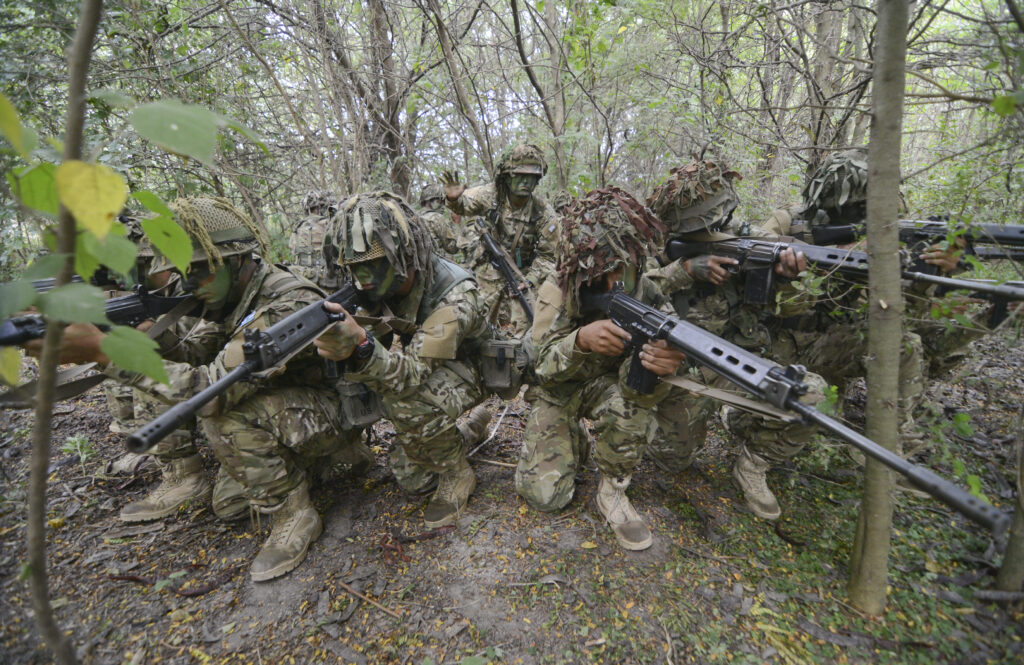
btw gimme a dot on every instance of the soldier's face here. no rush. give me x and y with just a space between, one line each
523 184
377 278
212 287
625 274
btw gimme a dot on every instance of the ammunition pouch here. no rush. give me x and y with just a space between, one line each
503 366
360 406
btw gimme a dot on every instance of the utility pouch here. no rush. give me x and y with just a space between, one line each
502 365
360 406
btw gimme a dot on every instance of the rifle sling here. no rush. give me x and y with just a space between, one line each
71 383
757 407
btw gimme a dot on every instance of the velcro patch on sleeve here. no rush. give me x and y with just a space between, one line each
440 334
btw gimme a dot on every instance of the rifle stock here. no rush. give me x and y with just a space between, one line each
263 350
781 387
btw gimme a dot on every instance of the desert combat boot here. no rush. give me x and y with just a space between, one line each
184 481
449 499
296 524
630 530
749 474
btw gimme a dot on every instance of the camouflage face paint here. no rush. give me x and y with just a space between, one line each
522 184
214 289
377 278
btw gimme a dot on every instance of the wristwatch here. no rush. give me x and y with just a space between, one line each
365 349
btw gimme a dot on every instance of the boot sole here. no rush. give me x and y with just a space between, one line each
152 516
631 546
287 566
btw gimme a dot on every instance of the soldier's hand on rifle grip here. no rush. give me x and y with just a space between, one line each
660 359
709 268
452 187
340 340
80 344
602 337
945 258
791 263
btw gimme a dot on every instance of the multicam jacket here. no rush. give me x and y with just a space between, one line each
561 366
272 295
528 234
449 319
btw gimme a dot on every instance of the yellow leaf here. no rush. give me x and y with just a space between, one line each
10 363
56 522
588 545
622 29
93 193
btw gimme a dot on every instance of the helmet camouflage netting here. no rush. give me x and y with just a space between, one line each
369 226
317 201
840 180
431 193
696 197
601 231
217 229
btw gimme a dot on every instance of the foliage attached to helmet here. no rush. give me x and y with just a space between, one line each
524 159
838 187
369 226
696 197
217 230
605 229
431 193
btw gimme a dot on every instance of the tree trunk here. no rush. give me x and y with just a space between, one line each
78 66
869 567
1011 573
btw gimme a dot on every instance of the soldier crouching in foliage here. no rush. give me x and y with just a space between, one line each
264 432
435 307
306 240
582 365
696 203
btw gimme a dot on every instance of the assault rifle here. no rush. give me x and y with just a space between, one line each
759 256
986 241
777 385
127 310
263 349
499 259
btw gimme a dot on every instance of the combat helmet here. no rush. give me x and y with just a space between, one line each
523 158
317 202
369 226
601 231
696 197
217 229
430 193
838 187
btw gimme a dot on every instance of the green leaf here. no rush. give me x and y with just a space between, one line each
85 262
74 303
93 193
16 296
246 132
974 485
1004 104
179 128
177 574
134 351
962 425
161 584
113 251
10 364
170 239
10 126
36 186
45 267
152 202
113 98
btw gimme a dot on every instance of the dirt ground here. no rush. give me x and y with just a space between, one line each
510 585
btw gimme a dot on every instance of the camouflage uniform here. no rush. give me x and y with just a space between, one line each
264 432
306 240
698 199
527 233
441 321
606 230
440 225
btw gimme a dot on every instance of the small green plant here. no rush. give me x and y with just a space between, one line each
79 445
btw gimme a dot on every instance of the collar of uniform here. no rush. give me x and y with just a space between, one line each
246 304
407 307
